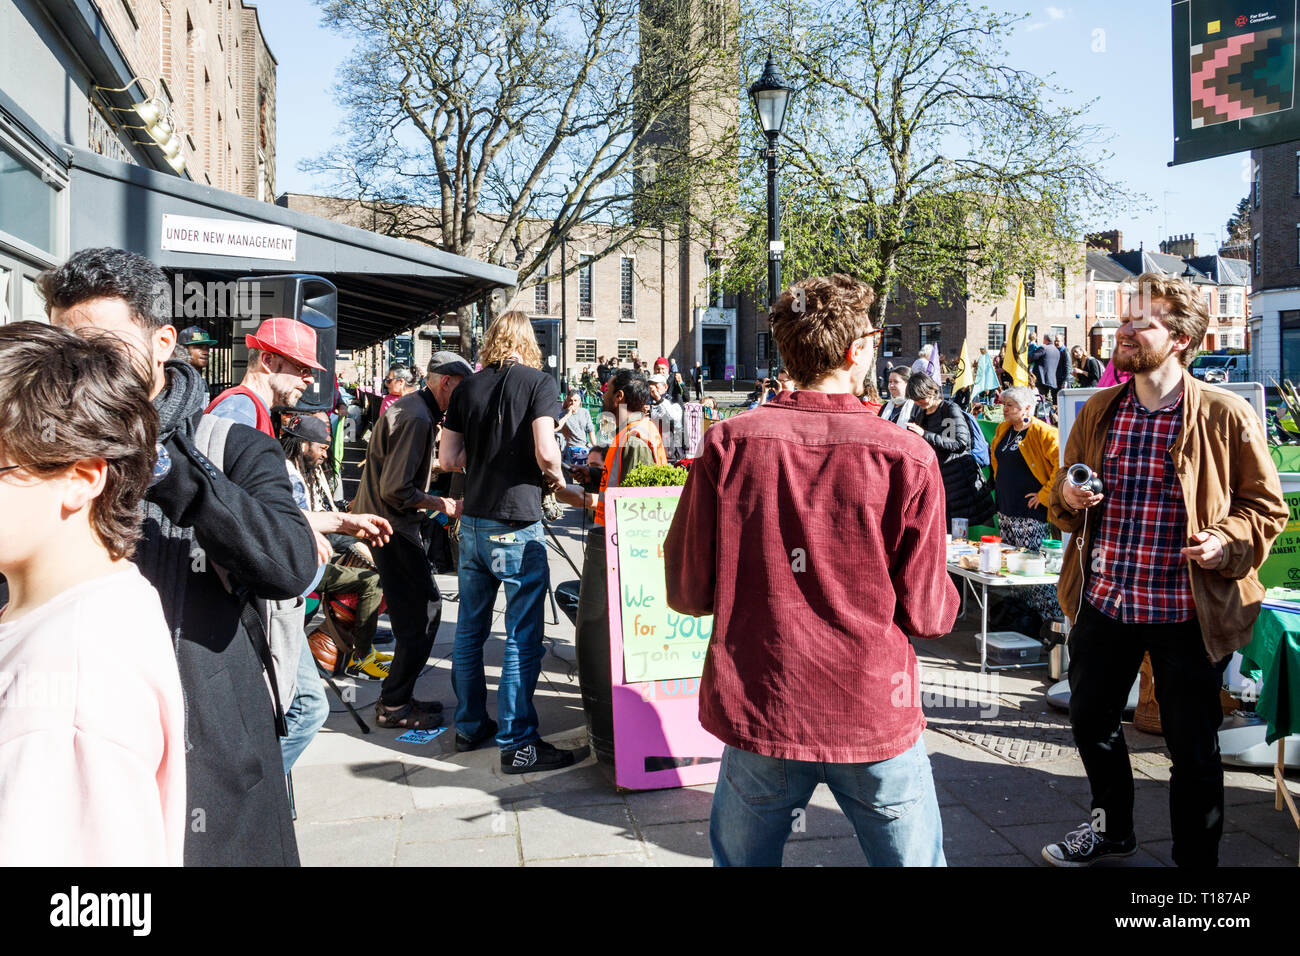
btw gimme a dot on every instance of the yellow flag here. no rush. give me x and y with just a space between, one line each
965 374
1015 354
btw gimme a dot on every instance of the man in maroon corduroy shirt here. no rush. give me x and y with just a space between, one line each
813 531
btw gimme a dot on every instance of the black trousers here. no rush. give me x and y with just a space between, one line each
415 611
1105 656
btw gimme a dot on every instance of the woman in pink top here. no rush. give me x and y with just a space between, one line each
92 723
400 382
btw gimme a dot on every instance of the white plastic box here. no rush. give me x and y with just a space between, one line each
1012 647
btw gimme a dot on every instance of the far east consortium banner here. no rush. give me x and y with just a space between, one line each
1234 76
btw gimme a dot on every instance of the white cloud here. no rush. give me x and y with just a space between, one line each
1056 13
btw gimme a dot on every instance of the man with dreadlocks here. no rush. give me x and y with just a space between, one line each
305 439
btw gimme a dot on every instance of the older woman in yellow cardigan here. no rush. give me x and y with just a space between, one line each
1025 452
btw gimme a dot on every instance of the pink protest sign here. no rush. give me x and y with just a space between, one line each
658 740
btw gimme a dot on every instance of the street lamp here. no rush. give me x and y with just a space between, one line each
771 96
564 308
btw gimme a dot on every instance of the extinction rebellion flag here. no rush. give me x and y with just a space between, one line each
1234 76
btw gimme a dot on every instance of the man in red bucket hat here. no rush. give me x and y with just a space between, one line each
281 359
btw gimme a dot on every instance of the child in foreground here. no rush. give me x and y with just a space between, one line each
92 752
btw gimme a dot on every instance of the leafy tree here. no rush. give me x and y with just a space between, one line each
1238 224
915 157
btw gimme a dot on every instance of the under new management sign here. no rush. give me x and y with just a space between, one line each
226 237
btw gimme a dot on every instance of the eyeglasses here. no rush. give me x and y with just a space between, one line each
9 468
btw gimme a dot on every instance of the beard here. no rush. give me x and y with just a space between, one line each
1144 359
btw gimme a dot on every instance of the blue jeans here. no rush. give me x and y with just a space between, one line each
892 804
308 711
520 564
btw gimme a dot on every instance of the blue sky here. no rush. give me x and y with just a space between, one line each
1115 52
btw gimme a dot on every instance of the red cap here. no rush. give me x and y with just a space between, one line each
661 361
286 337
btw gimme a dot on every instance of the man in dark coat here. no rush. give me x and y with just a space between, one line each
241 518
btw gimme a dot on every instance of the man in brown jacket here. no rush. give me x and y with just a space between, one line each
394 485
1163 561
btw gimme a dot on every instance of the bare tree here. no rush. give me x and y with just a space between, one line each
492 128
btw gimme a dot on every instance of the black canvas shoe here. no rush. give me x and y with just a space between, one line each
1085 846
538 757
466 743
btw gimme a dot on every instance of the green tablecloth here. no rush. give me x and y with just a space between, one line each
1272 661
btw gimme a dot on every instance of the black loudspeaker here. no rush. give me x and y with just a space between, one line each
313 301
548 340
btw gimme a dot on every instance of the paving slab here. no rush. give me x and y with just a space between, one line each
844 851
967 837
547 833
354 843
678 844
685 804
470 822
477 852
640 858
323 794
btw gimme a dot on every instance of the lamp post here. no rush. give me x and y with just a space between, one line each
771 95
564 309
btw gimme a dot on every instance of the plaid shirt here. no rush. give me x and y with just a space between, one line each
1138 575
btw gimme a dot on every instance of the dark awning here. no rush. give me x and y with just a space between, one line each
386 285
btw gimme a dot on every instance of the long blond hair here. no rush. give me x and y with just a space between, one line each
511 335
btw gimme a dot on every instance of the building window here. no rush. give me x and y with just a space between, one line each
1028 278
930 333
625 290
626 347
761 347
1254 247
1059 332
892 342
1209 302
586 350
1031 330
1256 184
997 335
1105 301
1058 282
29 202
713 288
542 291
584 287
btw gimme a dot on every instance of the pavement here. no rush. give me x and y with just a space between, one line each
1008 778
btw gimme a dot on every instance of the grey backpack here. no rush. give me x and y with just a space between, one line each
280 623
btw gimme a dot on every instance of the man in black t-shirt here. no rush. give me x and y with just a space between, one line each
500 430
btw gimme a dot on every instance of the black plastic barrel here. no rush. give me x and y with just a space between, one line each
593 649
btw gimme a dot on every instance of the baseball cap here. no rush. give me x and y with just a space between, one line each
659 379
449 363
193 335
292 339
308 428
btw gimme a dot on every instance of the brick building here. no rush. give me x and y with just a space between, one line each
215 71
1275 262
201 68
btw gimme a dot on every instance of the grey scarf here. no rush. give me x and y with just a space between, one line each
164 551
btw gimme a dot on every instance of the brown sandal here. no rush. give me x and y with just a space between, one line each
409 716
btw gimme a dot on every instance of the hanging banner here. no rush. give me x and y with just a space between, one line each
1234 73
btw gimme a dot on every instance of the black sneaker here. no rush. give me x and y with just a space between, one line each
1085 846
537 757
466 743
